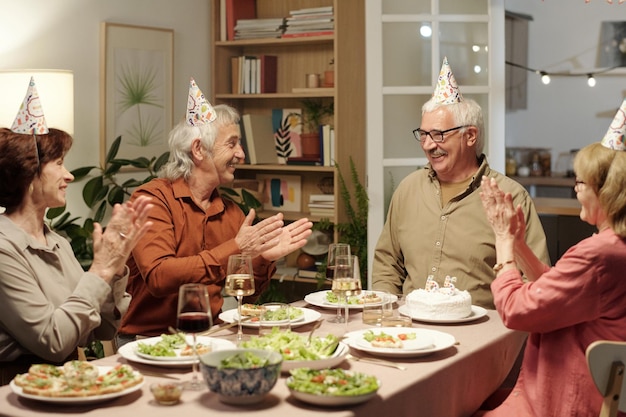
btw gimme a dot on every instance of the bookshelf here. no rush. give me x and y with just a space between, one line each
296 58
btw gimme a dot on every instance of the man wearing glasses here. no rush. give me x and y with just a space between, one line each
436 225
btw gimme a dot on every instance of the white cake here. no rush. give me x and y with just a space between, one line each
440 303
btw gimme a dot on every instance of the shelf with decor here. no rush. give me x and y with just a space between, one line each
342 52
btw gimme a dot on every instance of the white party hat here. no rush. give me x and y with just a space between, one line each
614 137
30 119
447 90
199 110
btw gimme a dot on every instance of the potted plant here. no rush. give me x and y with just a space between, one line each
313 114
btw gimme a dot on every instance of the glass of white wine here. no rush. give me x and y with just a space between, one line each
345 283
335 250
239 283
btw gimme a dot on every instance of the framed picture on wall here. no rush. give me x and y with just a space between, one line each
280 192
612 50
136 89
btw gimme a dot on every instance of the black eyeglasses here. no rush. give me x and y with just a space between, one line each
435 135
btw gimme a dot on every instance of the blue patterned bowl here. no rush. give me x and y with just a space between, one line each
240 386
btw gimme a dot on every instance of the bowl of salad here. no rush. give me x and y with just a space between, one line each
297 352
241 376
331 387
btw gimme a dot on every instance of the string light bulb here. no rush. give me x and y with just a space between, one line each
591 81
545 78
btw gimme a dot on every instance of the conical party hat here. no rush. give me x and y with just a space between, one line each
447 90
30 119
199 110
614 137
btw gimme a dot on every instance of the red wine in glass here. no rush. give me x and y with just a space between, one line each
193 322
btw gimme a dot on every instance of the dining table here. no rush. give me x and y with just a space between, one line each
450 382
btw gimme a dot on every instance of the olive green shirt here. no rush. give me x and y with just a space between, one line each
48 304
422 238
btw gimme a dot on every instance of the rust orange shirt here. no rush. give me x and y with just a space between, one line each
185 244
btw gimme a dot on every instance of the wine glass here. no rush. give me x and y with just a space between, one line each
345 283
334 250
239 282
193 316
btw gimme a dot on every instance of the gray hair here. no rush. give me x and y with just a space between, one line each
182 135
467 112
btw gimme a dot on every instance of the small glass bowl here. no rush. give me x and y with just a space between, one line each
167 393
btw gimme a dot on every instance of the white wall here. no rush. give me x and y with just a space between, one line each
64 34
566 114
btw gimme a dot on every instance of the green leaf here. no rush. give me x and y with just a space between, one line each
115 147
140 162
249 199
54 212
100 212
161 160
80 173
229 191
131 183
121 161
92 189
112 169
116 195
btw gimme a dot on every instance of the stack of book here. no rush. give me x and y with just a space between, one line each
322 205
254 74
259 28
315 21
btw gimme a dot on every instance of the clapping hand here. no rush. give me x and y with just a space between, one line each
270 238
112 247
506 220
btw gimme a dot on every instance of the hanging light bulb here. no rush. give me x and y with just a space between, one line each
591 81
545 78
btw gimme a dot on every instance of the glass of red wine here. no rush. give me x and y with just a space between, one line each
335 250
193 316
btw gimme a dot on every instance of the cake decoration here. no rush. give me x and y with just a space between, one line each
439 302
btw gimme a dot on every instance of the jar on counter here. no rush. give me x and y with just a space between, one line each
536 169
511 165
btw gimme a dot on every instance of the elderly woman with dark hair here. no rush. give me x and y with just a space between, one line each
48 305
579 300
196 230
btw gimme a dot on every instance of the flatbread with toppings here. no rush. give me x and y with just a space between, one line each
72 380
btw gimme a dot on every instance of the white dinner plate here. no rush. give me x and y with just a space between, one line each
77 400
129 351
319 299
477 312
437 341
331 400
309 316
338 356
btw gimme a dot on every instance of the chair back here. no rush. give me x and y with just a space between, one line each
606 360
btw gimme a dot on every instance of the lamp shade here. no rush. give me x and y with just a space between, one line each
56 92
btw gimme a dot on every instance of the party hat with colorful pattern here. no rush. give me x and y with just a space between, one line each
30 119
447 90
199 110
615 136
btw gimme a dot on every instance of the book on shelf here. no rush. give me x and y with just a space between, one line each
310 10
322 205
260 138
244 142
305 34
307 273
322 212
325 133
251 74
318 198
268 74
304 160
259 28
223 35
235 10
332 146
